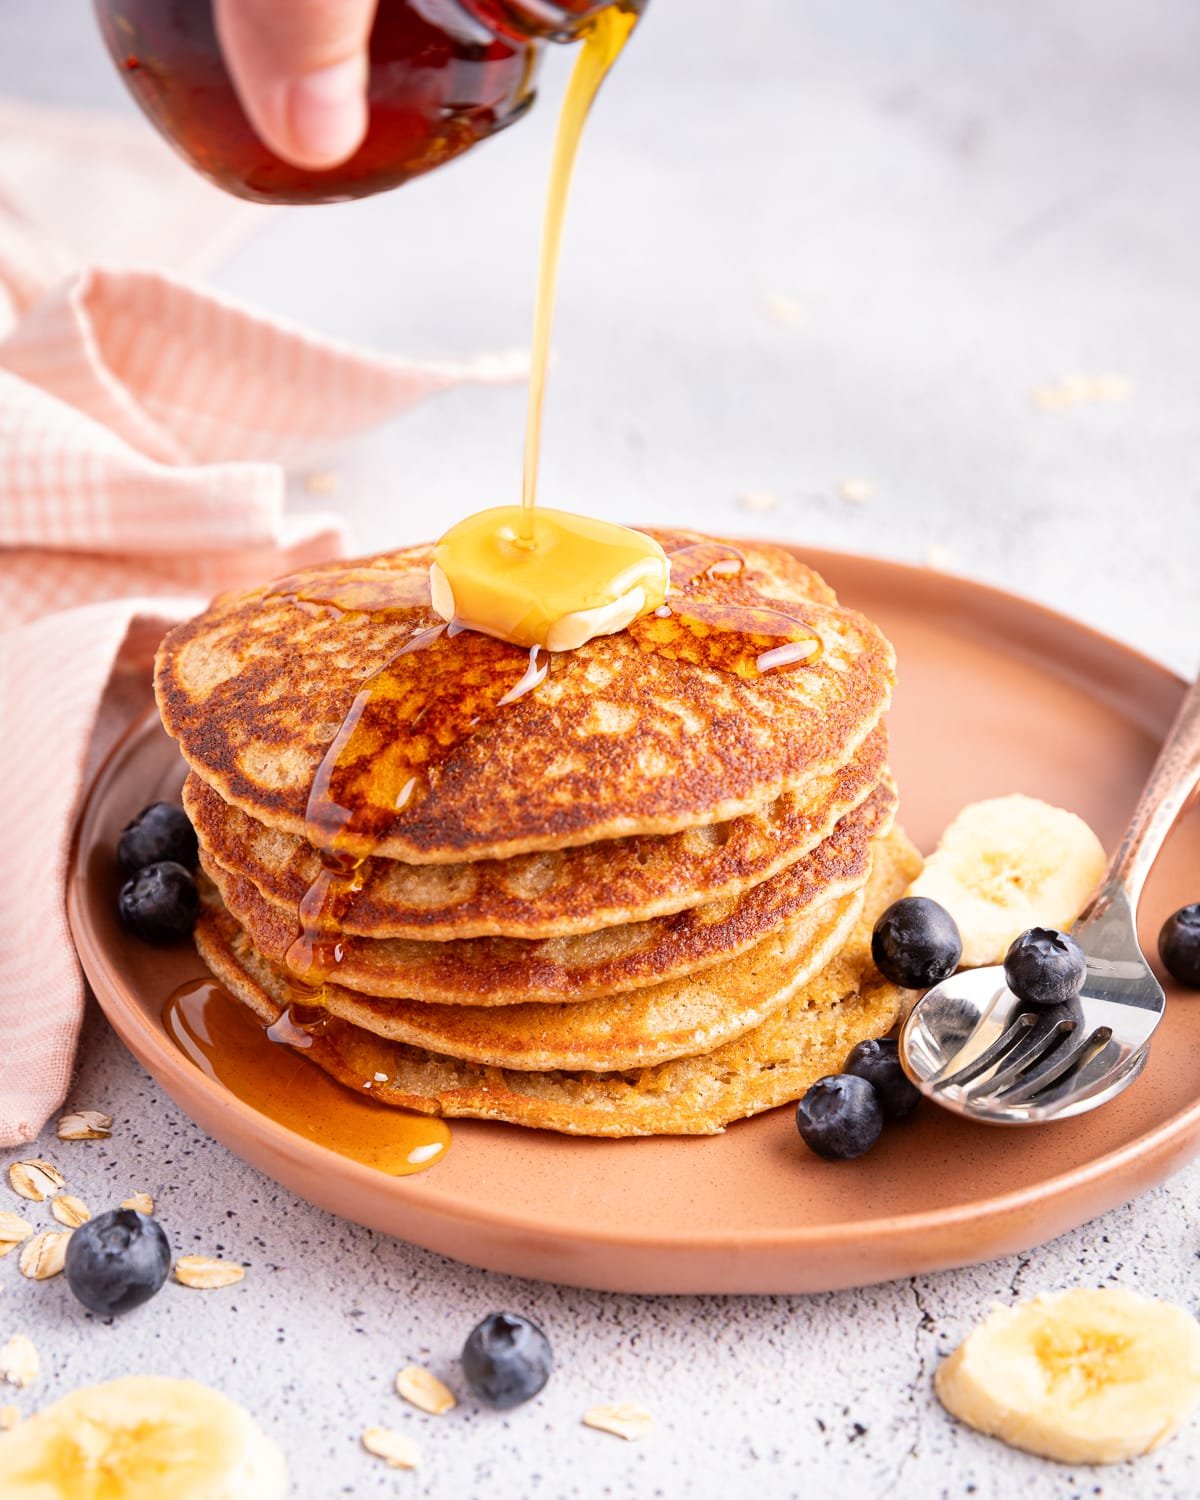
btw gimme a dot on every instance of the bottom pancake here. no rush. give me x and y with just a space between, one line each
847 1002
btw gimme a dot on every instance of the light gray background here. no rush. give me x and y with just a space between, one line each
970 199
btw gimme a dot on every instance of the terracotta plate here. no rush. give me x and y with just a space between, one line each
996 695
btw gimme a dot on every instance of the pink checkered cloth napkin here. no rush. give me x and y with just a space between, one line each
143 429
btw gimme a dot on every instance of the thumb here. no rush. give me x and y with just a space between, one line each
300 70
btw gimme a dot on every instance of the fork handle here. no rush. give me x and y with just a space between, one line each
1174 777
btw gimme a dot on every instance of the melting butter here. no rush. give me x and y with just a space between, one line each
578 578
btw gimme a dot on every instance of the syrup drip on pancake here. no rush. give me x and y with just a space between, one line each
296 1026
405 721
227 1043
747 641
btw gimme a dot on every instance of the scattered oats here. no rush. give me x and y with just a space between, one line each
9 1417
857 491
69 1210
624 1420
758 500
143 1202
205 1273
323 482
941 558
35 1179
43 1255
13 1229
788 312
381 1078
400 1452
85 1125
19 1362
421 1388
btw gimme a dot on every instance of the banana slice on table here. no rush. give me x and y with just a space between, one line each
1091 1376
1008 864
141 1438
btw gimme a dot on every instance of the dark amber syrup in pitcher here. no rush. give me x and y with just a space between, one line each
443 75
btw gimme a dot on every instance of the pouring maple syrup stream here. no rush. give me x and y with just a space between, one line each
601 49
550 578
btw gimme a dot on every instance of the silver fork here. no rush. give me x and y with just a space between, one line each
972 1046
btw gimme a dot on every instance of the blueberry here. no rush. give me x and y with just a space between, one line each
160 831
1179 945
160 903
879 1063
840 1117
1044 967
506 1359
117 1260
916 943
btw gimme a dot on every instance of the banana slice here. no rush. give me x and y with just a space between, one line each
141 1438
1007 864
1091 1376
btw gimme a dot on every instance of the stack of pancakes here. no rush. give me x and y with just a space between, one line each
629 894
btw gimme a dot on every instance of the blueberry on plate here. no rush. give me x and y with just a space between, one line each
1045 967
840 1117
117 1260
506 1359
160 904
1179 945
916 943
879 1063
160 831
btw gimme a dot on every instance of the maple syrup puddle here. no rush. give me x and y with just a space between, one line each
228 1045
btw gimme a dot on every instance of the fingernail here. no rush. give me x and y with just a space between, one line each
327 113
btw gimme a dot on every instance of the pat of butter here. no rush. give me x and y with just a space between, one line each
579 578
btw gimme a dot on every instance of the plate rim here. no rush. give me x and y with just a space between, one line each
421 1188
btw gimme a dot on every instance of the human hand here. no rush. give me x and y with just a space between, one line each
300 70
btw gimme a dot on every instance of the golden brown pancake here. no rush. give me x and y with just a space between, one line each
663 726
583 966
552 893
772 1064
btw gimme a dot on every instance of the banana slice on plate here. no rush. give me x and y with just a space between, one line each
141 1438
1090 1376
1008 864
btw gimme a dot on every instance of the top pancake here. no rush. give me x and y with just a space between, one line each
663 726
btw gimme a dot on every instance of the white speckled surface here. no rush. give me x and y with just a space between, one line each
969 200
